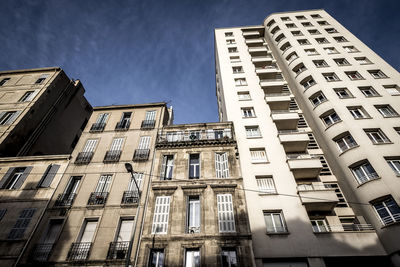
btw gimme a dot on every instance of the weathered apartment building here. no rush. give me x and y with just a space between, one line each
317 126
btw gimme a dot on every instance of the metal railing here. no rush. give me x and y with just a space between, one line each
268 57
148 124
97 127
257 47
65 200
193 229
130 197
98 198
123 125
118 250
112 156
301 156
278 94
392 218
280 111
189 136
141 154
84 157
79 251
272 80
42 251
343 228
292 131
313 187
268 67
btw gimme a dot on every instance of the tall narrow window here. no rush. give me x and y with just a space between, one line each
120 247
144 142
275 222
192 257
125 121
15 177
167 167
100 123
116 144
28 96
100 194
364 172
48 176
193 214
221 165
150 115
8 117
80 249
226 219
194 166
90 146
4 81
394 163
104 183
41 78
266 185
229 257
388 210
139 179
49 237
161 215
21 224
156 258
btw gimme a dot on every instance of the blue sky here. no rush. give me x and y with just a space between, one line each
128 52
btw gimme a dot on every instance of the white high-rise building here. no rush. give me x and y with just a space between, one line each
316 116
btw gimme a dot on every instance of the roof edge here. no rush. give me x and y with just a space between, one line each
30 70
130 106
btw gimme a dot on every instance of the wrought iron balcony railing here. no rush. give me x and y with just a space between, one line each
112 156
148 124
130 197
65 200
141 154
343 228
118 250
123 125
97 127
42 251
98 198
79 251
191 136
84 157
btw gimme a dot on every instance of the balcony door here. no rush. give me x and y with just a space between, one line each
125 230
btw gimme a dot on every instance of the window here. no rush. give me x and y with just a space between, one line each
150 115
358 112
350 49
221 165
311 52
124 230
161 215
101 120
48 176
18 230
167 167
303 41
192 257
392 89
194 166
297 33
377 136
394 163
299 68
322 41
331 118
274 30
319 226
229 257
132 189
313 32
15 177
377 74
364 172
368 91
258 155
47 240
68 196
322 23
144 142
320 63
125 121
4 81
280 38
228 34
341 62
290 25
306 24
266 185
193 215
240 82
2 213
345 142
234 59
242 96
156 258
252 131
226 218
331 77
104 183
80 250
275 222
343 93
28 96
386 111
291 57
285 19
8 117
397 129
41 78
308 82
116 144
230 41
331 30
330 50
232 49
237 69
340 39
318 98
248 113
272 22
354 75
300 17
363 60
316 16
388 210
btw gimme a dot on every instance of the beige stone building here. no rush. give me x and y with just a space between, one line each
96 209
196 213
42 112
316 121
27 184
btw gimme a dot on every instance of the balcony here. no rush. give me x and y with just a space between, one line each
251 34
267 58
278 101
258 51
118 250
141 154
266 69
41 252
84 157
254 42
148 124
294 140
97 127
130 197
304 166
285 119
98 198
273 85
79 251
318 198
112 156
64 200
123 125
344 228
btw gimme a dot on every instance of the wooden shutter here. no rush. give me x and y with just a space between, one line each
150 115
161 215
23 177
226 219
6 177
221 165
163 167
139 178
90 145
21 224
266 185
218 170
116 144
144 142
49 175
104 183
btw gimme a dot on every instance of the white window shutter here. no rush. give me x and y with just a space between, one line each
90 145
150 115
161 215
226 219
144 142
117 144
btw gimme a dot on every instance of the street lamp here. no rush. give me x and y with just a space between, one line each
129 169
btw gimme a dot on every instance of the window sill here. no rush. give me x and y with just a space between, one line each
366 118
351 148
348 97
385 143
278 233
333 81
390 224
333 53
322 66
305 89
237 85
320 104
332 124
245 99
240 72
379 78
260 162
253 137
373 179
370 63
372 96
249 117
268 194
396 116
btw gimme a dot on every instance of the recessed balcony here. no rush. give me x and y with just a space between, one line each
254 42
262 59
318 198
258 51
278 101
304 166
267 70
251 34
294 141
272 85
285 119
